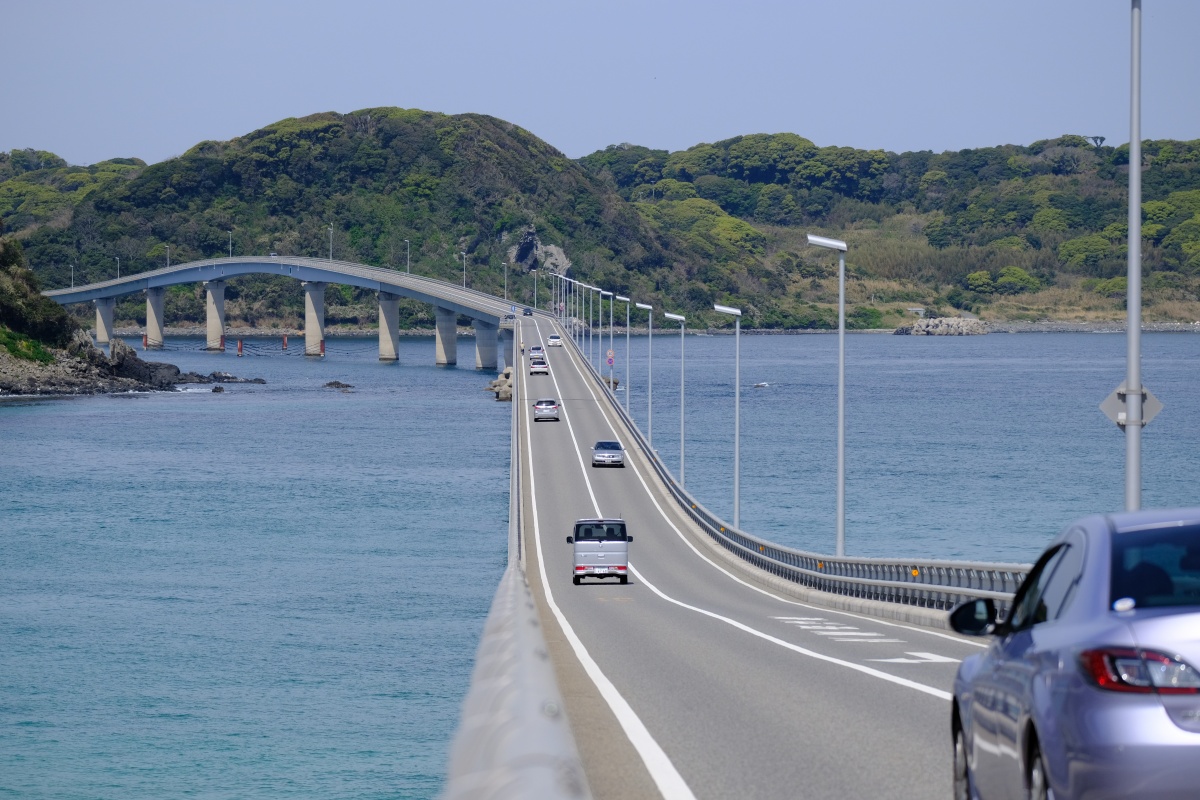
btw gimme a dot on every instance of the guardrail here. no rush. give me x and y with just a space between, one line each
513 738
927 583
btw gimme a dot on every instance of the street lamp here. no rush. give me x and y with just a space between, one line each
840 246
682 322
168 256
625 300
506 280
604 294
1133 298
464 259
649 376
737 410
407 256
535 273
231 244
118 258
331 241
72 275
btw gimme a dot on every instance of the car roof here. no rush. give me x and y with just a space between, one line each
597 520
608 441
547 400
555 336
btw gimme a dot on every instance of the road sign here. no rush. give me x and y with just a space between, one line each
610 361
611 354
1114 406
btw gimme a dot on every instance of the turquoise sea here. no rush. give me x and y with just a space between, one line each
277 591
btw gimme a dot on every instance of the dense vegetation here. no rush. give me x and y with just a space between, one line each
28 320
1006 231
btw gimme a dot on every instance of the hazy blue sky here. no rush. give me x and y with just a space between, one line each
97 80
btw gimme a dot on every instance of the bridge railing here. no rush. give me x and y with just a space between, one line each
927 583
513 738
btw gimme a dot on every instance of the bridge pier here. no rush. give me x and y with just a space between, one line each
155 296
485 344
314 318
215 305
506 345
104 319
389 326
445 345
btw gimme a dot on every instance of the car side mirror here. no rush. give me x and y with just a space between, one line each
628 538
974 617
570 540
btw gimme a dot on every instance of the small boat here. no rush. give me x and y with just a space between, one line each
762 385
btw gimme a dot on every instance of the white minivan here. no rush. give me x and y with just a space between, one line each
601 549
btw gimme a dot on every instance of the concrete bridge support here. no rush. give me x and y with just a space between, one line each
445 346
104 319
155 297
506 345
485 344
215 305
389 326
314 318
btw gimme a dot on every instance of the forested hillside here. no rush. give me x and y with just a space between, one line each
1012 231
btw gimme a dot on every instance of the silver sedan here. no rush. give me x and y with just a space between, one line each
546 408
1088 688
608 454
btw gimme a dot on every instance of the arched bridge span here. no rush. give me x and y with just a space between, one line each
448 300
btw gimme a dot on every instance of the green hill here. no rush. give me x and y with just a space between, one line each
1016 232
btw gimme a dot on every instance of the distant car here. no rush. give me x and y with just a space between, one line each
538 366
537 352
554 340
509 317
546 408
1089 687
527 312
601 549
608 454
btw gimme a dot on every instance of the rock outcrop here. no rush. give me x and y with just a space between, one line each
943 326
82 368
502 386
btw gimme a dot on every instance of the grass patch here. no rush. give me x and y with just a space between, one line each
21 346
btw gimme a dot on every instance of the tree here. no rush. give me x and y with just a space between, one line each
1014 280
981 282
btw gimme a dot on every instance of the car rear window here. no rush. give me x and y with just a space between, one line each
547 403
600 532
1156 568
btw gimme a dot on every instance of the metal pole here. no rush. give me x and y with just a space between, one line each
649 375
118 258
535 272
1133 303
72 276
737 421
407 256
506 280
841 443
611 303
168 256
682 323
626 355
231 244
464 258
331 241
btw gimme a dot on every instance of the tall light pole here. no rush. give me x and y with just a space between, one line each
118 258
682 323
840 247
231 244
737 411
1133 297
591 326
611 304
464 259
506 280
331 241
535 273
407 256
168 256
72 275
649 376
625 300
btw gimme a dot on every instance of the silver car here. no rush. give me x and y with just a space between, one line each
1089 687
601 549
538 366
554 340
546 408
607 454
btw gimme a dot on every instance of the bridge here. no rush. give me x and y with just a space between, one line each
449 301
728 666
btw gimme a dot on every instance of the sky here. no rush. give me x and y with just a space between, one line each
150 79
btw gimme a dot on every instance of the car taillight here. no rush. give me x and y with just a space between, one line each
1123 669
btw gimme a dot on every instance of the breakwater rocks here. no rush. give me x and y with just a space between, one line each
82 368
943 326
502 386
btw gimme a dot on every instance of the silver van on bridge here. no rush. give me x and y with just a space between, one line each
601 549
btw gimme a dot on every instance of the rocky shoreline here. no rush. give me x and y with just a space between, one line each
83 369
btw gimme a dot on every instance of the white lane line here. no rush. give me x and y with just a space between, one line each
921 658
920 687
629 463
668 780
872 641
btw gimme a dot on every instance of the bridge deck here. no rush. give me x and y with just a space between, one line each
693 681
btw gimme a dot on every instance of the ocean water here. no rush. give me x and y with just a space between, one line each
277 591
272 592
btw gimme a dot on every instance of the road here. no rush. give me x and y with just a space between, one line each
691 681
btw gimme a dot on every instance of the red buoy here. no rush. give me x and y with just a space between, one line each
239 348
144 341
322 348
285 341
222 343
